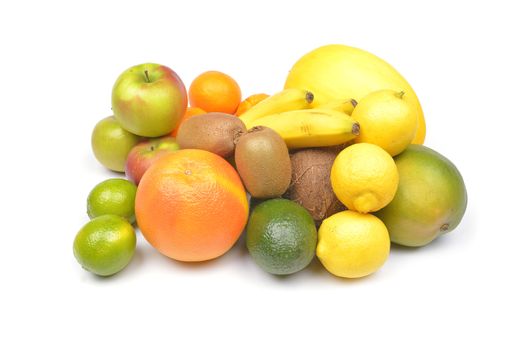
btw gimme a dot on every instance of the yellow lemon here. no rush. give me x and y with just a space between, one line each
386 120
364 177
352 245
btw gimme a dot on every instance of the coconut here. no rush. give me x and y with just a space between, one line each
310 185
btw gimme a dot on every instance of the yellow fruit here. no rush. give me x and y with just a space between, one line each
386 120
311 127
346 106
364 177
283 101
352 245
337 72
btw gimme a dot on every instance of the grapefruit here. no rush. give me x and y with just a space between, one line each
191 205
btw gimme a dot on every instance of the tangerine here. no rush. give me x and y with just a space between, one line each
249 102
215 92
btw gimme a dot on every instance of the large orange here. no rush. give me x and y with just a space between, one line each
191 205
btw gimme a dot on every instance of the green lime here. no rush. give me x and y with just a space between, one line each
430 200
281 236
105 245
113 196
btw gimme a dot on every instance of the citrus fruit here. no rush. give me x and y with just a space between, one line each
105 245
190 112
335 72
249 102
364 177
111 143
431 198
191 205
386 120
113 196
352 245
281 236
215 92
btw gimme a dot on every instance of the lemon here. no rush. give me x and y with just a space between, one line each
352 245
105 245
113 196
386 120
364 177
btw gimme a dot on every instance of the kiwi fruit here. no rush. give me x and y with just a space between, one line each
263 162
213 132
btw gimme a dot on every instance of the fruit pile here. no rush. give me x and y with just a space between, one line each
332 166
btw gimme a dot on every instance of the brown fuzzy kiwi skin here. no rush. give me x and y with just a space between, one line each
263 162
310 185
214 132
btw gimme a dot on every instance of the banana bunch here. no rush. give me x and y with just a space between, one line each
291 115
286 100
311 127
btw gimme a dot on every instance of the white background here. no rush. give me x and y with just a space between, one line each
58 64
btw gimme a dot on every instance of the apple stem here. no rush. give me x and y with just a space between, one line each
147 76
400 94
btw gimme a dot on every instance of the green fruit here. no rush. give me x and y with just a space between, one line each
105 245
111 143
281 236
149 99
113 196
430 200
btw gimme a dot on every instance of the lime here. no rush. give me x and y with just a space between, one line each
431 198
105 245
281 236
352 245
113 196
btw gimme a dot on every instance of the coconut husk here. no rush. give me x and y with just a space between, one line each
310 185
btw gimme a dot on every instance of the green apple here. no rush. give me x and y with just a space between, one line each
111 143
149 100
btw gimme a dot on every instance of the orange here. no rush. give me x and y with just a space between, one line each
215 92
249 102
190 112
191 205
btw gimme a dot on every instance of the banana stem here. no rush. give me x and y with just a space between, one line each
356 129
309 97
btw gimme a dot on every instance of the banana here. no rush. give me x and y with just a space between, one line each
311 127
286 100
346 106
